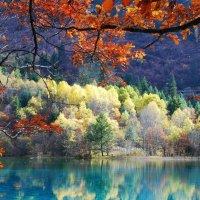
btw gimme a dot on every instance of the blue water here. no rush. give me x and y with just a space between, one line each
124 179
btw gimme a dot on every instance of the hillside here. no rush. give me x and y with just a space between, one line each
165 58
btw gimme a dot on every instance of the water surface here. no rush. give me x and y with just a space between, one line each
124 179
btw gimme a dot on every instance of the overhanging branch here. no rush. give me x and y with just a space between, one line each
134 29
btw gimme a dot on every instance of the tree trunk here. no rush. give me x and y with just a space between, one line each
101 149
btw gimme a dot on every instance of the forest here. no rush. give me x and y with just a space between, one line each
66 84
55 118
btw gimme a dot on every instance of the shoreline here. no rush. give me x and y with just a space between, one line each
145 158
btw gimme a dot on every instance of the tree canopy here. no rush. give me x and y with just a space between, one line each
91 30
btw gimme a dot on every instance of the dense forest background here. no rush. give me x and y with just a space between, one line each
159 64
135 120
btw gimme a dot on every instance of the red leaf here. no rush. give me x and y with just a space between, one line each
126 2
1 166
108 5
2 89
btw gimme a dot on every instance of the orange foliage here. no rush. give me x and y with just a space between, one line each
1 154
4 117
37 124
2 151
174 38
195 97
126 2
88 27
2 89
108 5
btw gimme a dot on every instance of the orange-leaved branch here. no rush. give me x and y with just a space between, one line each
37 124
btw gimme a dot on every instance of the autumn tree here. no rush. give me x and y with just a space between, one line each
90 31
38 125
152 131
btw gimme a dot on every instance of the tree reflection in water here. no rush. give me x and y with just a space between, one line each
49 179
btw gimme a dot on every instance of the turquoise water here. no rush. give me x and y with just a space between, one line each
125 179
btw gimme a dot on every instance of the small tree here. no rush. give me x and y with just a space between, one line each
24 98
100 134
173 86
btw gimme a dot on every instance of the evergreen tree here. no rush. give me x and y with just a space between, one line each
150 90
15 104
143 85
27 59
176 102
173 87
162 96
183 103
54 113
190 104
156 91
100 134
173 104
34 76
197 109
24 98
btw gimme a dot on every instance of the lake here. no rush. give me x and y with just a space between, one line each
123 179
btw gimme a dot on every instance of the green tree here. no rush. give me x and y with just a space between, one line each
16 104
100 134
197 108
123 94
173 104
54 113
18 74
132 135
176 102
173 86
90 74
143 85
24 98
183 103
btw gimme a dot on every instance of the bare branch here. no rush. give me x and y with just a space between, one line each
96 44
33 32
153 42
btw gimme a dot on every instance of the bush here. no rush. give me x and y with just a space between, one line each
16 147
6 143
21 147
48 143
